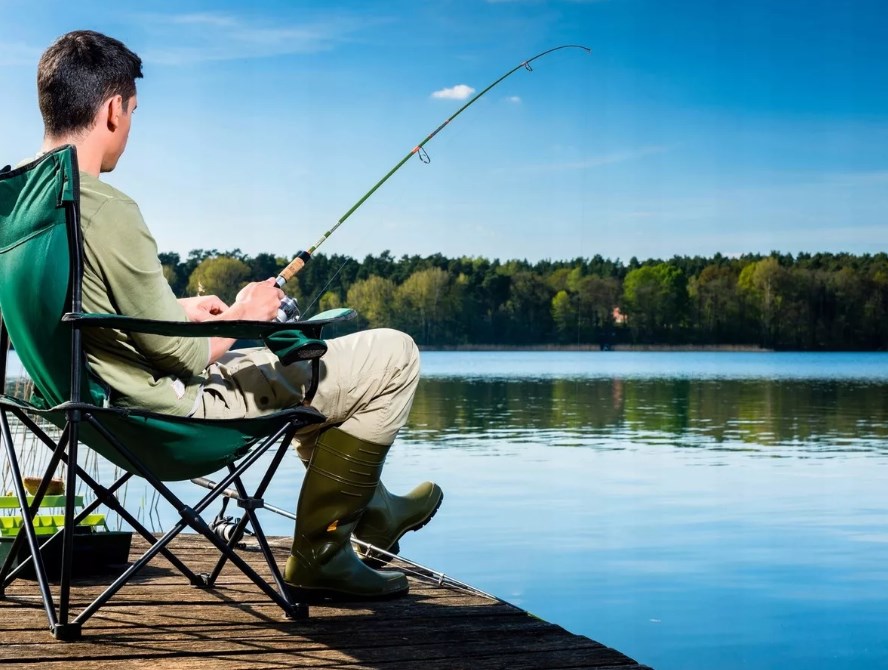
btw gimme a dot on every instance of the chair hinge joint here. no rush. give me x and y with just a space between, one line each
251 503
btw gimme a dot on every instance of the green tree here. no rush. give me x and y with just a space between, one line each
874 315
564 315
529 309
329 300
374 300
426 303
263 266
759 284
717 308
488 317
655 300
221 276
169 273
175 272
811 301
596 299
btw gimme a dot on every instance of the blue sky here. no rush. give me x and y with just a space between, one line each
692 128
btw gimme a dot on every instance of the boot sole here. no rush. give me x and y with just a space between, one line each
319 596
375 561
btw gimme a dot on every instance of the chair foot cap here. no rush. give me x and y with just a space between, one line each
297 611
69 632
203 581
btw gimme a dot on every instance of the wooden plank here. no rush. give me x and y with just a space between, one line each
159 621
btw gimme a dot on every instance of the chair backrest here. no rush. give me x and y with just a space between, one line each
40 275
39 265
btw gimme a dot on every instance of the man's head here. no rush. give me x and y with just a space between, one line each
86 84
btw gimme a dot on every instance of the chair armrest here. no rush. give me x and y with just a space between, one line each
244 330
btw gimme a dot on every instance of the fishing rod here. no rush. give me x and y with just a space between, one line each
289 310
227 527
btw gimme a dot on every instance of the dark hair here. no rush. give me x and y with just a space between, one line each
77 73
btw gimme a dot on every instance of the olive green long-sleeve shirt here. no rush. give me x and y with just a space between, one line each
122 275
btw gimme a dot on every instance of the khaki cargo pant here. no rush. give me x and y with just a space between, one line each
367 383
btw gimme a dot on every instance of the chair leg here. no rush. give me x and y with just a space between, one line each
68 529
7 574
27 527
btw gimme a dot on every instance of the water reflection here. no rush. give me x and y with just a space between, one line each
772 417
725 520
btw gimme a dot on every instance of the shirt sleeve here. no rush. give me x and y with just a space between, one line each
136 287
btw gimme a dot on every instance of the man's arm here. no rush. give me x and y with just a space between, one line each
123 275
257 301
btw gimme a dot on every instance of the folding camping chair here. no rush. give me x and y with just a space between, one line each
41 314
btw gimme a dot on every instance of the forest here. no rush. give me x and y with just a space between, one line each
822 301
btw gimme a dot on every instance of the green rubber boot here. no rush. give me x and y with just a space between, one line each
340 482
388 517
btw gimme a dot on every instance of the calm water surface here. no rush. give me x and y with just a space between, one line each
694 510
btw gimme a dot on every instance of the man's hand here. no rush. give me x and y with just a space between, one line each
259 301
202 307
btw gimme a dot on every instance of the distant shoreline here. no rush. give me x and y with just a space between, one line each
595 347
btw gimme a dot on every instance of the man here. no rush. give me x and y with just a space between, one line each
87 95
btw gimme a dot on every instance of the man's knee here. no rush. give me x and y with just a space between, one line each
398 347
404 344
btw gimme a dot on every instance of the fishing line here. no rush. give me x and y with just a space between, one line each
327 285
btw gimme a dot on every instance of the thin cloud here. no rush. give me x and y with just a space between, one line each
458 92
214 36
514 99
205 19
852 178
598 161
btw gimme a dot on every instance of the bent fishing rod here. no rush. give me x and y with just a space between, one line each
289 310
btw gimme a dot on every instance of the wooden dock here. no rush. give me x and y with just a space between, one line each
158 621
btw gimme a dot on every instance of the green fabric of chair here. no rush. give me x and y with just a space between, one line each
41 313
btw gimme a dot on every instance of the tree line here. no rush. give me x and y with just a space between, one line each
820 301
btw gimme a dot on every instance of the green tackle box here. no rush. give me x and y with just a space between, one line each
97 550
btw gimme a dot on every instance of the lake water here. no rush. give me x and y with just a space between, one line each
693 510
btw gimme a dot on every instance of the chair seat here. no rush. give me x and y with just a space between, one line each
173 448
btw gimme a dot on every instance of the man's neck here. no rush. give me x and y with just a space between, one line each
89 158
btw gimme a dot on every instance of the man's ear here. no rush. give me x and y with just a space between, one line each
112 109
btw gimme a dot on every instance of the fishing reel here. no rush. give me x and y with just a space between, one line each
226 527
288 312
